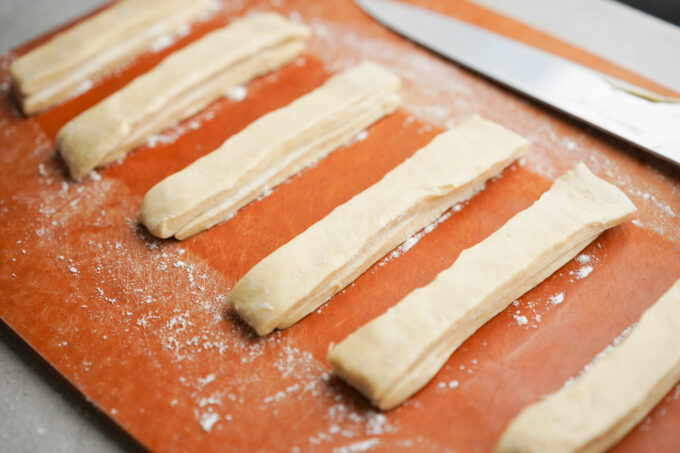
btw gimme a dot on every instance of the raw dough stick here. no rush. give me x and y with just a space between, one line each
268 151
307 271
601 406
68 63
181 85
394 355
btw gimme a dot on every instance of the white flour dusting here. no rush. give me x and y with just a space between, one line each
602 354
361 136
162 42
206 380
357 447
673 395
415 238
583 258
171 135
583 272
557 298
536 309
451 384
85 85
521 320
207 420
237 93
156 139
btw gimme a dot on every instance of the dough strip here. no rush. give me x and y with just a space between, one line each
598 408
182 84
302 274
268 151
394 355
68 63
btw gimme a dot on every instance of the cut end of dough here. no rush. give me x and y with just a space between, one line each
76 167
158 229
354 377
257 315
595 188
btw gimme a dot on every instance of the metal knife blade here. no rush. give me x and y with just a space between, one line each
573 89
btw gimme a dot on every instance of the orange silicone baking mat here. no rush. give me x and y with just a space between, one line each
141 328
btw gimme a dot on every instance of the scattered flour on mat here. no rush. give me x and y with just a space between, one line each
357 447
207 420
602 354
131 277
415 238
583 258
162 42
213 399
172 134
451 384
332 41
582 272
359 137
156 139
300 374
463 369
557 298
207 380
673 395
237 93
520 319
534 310
82 87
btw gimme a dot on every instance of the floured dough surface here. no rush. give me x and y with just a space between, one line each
182 84
394 355
268 151
55 71
302 274
601 406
